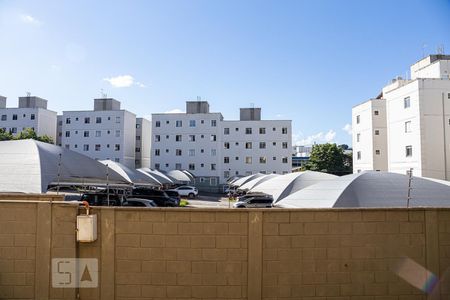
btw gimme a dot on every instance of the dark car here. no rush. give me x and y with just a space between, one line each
101 199
159 197
173 194
136 202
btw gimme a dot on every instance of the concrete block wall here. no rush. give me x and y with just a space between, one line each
225 254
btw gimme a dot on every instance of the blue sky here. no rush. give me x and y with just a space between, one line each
309 61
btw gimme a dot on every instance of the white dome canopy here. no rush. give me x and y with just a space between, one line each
132 176
370 189
282 186
179 176
162 178
245 179
29 166
256 181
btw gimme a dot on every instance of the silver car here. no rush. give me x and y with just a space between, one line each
255 201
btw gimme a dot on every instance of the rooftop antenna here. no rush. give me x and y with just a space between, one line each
440 49
28 94
103 94
423 49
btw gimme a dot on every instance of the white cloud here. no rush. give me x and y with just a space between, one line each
29 19
174 111
348 128
124 81
318 138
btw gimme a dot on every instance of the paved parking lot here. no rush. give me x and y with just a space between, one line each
210 201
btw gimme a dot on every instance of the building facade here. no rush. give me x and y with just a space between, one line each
107 132
143 143
417 121
31 113
213 149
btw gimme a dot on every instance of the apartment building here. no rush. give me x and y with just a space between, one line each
213 149
417 122
107 132
143 143
32 113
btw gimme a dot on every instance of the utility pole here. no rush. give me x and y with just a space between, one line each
409 186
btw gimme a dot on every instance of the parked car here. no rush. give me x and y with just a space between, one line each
173 194
101 199
186 191
254 201
159 197
137 202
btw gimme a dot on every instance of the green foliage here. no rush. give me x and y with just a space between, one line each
27 133
329 158
5 136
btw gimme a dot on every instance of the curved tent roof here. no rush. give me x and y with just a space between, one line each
132 176
157 175
179 176
29 166
284 185
189 174
254 182
370 189
245 179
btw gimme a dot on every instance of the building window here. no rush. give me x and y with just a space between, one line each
167 137
177 166
117 133
408 150
284 130
284 145
138 126
236 158
248 131
157 138
178 152
167 121
377 132
14 130
32 117
117 120
274 144
248 159
262 160
138 149
191 167
376 112
202 165
117 147
87 120
98 133
226 174
226 131
191 152
86 134
284 160
98 120
358 137
213 123
377 152
191 123
178 138
4 117
157 152
407 102
213 152
248 145
274 158
213 167
407 126
67 120
117 159
226 145
85 147
358 155
213 138
138 138
357 119
67 133
262 145
157 124
157 166
236 129
202 150
262 130
67 146
236 144
97 147
179 123
192 138
167 150
14 117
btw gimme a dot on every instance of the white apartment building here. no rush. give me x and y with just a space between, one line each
107 132
417 122
32 113
214 149
143 143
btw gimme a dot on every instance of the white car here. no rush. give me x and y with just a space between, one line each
254 201
186 191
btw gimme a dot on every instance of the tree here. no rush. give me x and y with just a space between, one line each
27 133
4 135
329 158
